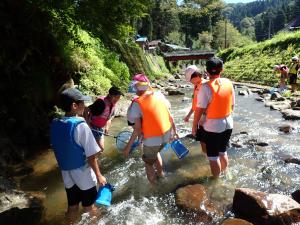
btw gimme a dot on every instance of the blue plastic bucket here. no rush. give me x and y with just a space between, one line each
104 195
180 150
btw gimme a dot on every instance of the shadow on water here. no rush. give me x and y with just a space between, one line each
135 201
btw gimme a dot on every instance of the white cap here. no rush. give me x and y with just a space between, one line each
189 71
295 58
276 67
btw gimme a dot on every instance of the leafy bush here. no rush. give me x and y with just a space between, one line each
96 68
255 62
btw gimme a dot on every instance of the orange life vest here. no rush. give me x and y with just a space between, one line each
156 116
221 101
195 96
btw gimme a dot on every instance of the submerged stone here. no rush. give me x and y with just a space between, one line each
235 221
193 198
265 209
18 208
290 114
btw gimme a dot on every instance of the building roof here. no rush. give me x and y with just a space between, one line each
142 39
295 23
177 47
188 55
154 42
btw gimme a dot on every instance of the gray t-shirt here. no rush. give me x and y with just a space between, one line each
213 125
135 112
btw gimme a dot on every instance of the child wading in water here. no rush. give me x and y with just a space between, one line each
284 73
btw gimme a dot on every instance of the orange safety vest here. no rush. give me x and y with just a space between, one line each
221 101
195 96
156 116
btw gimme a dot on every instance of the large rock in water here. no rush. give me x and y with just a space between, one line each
296 196
290 114
234 221
18 208
193 198
265 209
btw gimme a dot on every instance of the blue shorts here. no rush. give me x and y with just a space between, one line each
97 132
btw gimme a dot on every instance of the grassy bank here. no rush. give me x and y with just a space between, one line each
254 63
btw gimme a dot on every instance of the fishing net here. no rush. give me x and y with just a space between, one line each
123 138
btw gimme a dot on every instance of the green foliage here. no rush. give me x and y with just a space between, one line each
269 15
96 67
233 37
255 62
197 16
110 19
204 41
139 61
175 37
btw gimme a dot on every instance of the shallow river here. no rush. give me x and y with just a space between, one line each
137 202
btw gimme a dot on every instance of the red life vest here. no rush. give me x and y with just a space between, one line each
101 120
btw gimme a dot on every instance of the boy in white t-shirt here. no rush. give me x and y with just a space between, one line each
215 98
76 152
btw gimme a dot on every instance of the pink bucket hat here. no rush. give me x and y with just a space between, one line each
141 78
139 82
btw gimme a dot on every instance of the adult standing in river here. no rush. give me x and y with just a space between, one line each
100 114
193 75
216 99
294 68
152 121
76 152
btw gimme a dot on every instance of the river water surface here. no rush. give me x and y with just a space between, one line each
135 201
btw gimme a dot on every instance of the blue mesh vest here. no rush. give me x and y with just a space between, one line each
68 153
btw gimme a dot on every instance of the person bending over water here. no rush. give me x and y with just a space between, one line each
152 121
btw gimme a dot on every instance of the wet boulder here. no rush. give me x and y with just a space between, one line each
290 114
175 92
121 107
259 99
193 198
292 160
266 96
276 96
255 90
243 93
278 105
185 99
265 209
177 76
235 221
296 196
286 128
7 183
18 208
170 88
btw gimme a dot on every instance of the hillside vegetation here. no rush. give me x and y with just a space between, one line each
254 63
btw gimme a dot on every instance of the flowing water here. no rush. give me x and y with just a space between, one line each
135 201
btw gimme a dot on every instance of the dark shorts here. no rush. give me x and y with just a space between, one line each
293 79
86 197
200 134
97 132
216 143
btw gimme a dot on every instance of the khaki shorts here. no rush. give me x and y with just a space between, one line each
150 152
